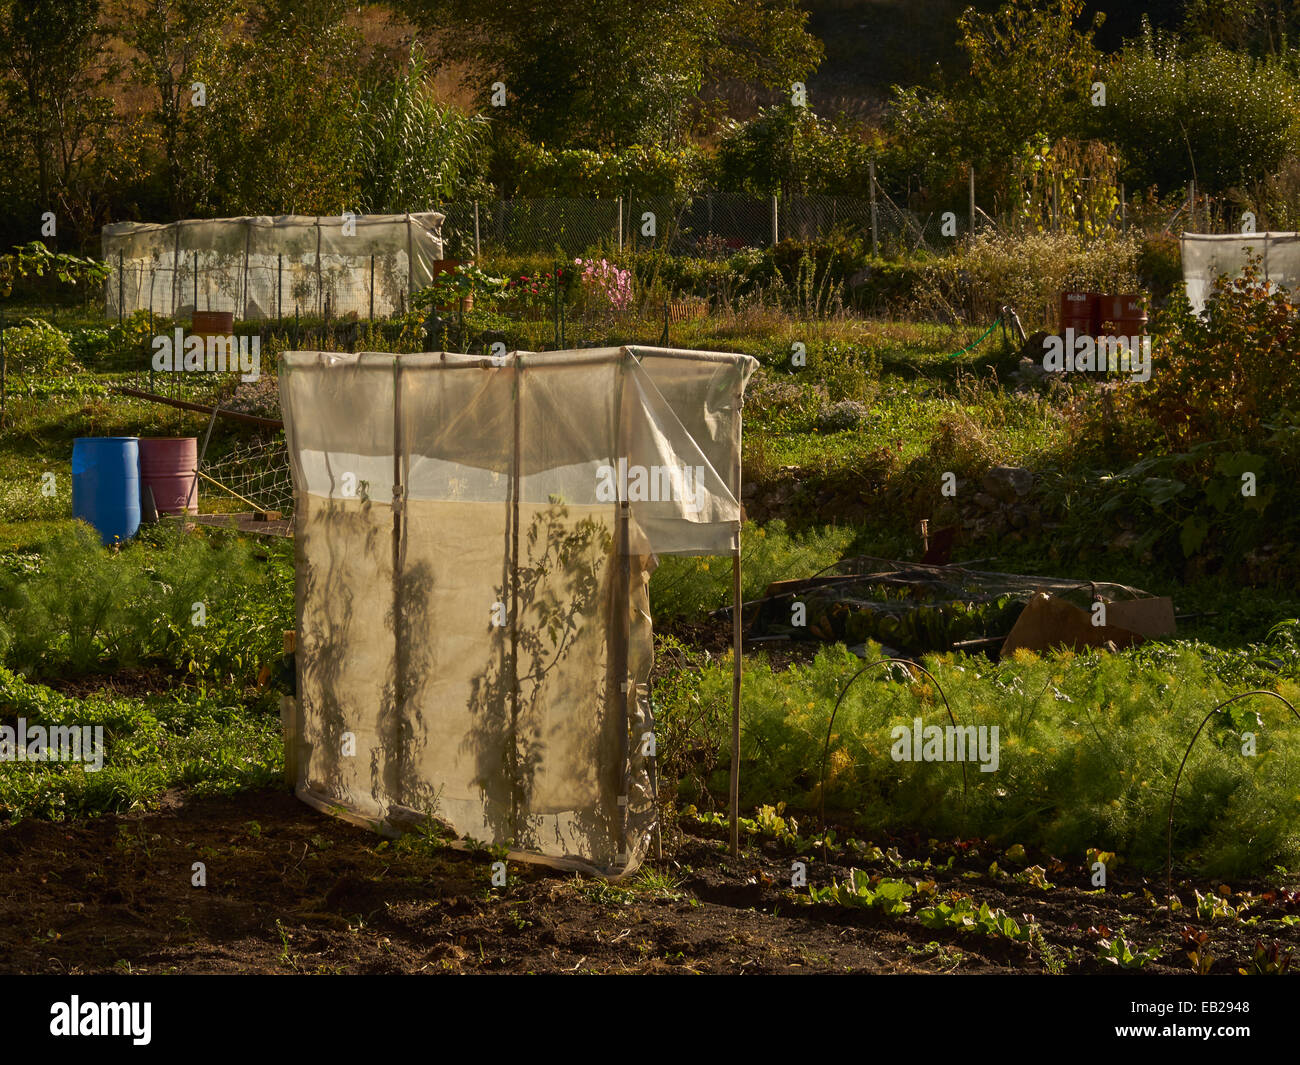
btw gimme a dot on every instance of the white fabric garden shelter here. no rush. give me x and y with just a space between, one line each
264 267
1207 256
474 540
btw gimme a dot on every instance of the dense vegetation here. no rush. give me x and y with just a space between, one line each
158 109
161 109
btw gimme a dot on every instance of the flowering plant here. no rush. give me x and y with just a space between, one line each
536 290
609 285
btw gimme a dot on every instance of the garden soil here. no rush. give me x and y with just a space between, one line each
291 890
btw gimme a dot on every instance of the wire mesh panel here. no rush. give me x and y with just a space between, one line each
708 225
822 217
256 471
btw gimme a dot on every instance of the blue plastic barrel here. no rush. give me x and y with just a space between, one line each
106 485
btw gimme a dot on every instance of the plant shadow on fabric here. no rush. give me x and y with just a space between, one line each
339 538
559 587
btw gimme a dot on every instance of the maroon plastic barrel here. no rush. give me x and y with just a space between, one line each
1079 312
1124 315
167 466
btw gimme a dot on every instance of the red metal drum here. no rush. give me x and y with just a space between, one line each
1079 312
1124 315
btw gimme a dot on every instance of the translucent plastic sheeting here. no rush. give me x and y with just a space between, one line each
263 267
474 543
1209 256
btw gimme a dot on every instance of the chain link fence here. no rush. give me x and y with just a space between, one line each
708 226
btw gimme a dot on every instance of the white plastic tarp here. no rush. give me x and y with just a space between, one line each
1209 256
264 267
474 543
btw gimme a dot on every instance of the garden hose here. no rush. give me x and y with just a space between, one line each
978 342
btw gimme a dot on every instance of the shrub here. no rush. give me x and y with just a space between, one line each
1160 265
844 415
1226 372
1226 116
36 349
533 170
690 587
790 149
1030 272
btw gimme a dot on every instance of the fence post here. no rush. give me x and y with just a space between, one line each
410 253
775 234
320 284
248 239
875 237
972 201
176 267
476 251
279 289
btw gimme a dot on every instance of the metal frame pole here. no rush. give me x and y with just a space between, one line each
737 601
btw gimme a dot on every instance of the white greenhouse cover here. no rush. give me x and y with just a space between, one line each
1207 256
264 267
474 542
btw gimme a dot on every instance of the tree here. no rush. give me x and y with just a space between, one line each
1029 70
1261 27
277 129
174 41
610 75
1215 115
53 74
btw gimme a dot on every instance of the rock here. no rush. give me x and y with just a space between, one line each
1033 349
1007 484
985 501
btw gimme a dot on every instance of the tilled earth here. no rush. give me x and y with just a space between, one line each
291 890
